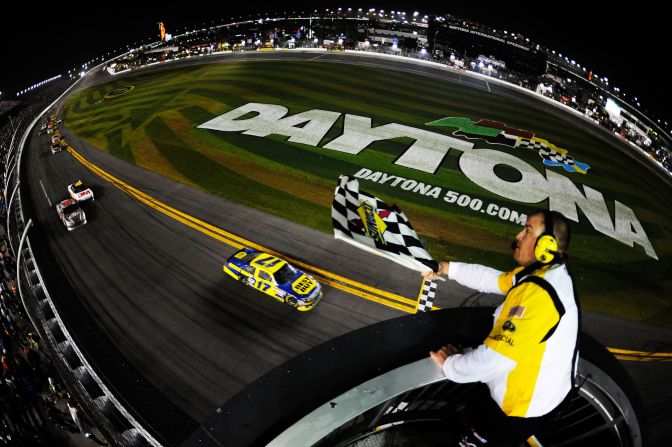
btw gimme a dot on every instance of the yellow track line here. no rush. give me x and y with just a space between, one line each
641 356
648 354
348 285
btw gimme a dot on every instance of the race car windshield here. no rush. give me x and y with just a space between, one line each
79 188
70 209
285 274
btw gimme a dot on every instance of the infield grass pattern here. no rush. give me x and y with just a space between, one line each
155 126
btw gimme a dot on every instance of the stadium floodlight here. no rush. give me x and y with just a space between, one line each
415 13
423 51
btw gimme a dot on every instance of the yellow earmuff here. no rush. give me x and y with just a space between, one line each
545 248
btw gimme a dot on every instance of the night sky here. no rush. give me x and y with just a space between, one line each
627 46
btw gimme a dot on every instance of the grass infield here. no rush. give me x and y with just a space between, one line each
154 126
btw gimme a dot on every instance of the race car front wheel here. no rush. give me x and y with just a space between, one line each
291 300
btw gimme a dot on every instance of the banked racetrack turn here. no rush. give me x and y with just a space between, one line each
147 268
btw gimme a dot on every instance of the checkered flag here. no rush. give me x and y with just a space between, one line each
367 222
427 294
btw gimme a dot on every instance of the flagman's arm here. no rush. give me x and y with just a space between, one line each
475 276
478 365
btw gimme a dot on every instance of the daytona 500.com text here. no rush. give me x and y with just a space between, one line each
455 198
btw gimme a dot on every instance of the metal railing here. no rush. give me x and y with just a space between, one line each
599 413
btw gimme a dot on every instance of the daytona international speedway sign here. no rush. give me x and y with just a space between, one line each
430 148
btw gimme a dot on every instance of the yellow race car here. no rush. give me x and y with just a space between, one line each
274 277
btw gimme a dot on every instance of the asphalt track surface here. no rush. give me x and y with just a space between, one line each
155 284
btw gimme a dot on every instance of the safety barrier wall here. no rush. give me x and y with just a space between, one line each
318 391
82 381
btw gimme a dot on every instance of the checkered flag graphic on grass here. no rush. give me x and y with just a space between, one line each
368 223
555 157
530 144
427 294
552 157
545 152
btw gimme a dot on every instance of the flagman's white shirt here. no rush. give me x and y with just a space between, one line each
525 377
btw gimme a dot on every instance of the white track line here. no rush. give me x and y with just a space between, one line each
45 194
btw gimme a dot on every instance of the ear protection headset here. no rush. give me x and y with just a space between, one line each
546 248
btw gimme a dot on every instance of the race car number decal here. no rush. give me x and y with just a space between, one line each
263 286
303 285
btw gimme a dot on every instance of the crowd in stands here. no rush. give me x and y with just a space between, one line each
6 106
578 97
35 409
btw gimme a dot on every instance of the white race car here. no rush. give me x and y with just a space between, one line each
80 192
55 148
71 214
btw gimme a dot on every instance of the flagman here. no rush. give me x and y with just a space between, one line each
528 361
